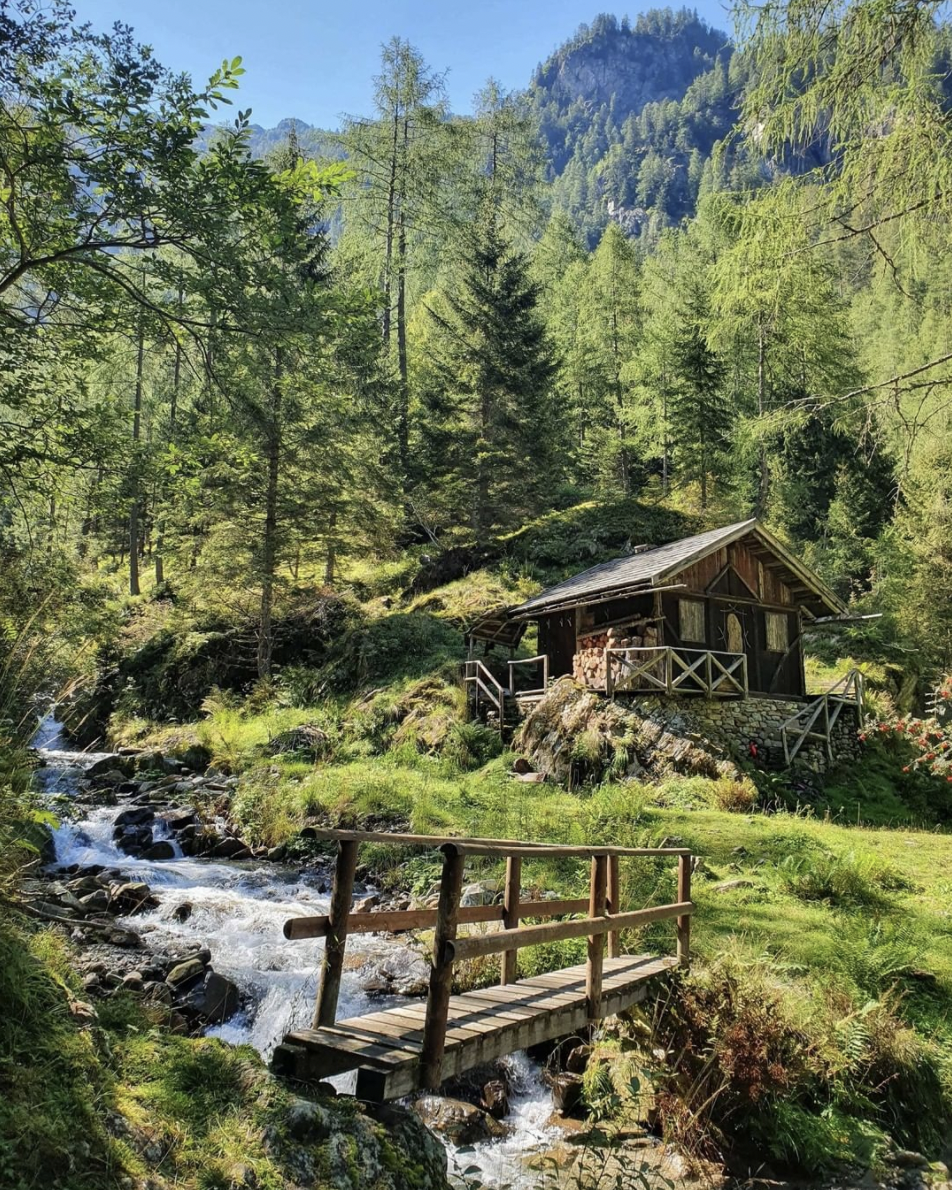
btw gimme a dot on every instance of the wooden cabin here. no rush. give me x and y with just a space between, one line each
720 614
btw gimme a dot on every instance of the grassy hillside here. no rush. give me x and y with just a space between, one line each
815 1022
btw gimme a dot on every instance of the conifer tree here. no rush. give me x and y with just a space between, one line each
700 417
493 375
611 320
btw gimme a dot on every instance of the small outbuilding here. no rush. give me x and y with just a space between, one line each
721 614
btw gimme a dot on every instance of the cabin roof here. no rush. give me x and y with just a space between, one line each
656 567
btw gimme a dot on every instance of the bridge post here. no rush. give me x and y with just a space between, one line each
614 905
332 965
441 974
596 943
684 923
509 963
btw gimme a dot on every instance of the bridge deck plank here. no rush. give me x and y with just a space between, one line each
384 1047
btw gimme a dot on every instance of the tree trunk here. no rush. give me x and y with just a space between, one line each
388 249
481 491
173 417
664 432
136 435
330 559
623 461
269 541
763 489
403 409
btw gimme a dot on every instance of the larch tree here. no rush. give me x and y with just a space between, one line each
611 319
398 194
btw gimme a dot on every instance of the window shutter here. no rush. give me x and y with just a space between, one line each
778 637
691 619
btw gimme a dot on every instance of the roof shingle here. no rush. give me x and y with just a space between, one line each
654 566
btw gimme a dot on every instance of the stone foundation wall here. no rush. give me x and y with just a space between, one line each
731 726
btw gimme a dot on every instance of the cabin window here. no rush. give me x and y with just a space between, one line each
691 617
778 637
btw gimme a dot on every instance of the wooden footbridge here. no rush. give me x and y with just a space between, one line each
399 1050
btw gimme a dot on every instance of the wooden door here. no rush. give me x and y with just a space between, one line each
734 633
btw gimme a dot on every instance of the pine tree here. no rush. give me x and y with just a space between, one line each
700 417
493 377
611 321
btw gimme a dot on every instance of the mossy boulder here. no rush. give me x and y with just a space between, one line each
171 673
402 645
574 735
120 1102
595 531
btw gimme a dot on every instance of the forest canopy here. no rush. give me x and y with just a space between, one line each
234 367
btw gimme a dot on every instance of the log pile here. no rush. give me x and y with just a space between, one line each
588 664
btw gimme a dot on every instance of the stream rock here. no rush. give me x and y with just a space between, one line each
496 1098
186 972
137 816
566 1091
215 1001
484 892
161 849
403 973
107 765
136 840
462 1123
179 819
230 848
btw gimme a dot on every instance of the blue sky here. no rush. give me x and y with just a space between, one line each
315 59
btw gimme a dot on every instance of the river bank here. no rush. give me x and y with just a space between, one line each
222 917
202 936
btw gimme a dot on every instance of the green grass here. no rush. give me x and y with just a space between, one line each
91 1108
834 913
812 884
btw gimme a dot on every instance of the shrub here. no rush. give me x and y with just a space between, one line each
471 745
842 878
737 797
803 1075
594 531
403 645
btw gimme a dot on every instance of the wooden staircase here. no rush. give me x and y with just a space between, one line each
504 705
815 721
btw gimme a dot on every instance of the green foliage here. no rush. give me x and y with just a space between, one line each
592 532
842 878
402 645
757 1061
491 438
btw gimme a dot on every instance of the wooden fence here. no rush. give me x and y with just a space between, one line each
675 671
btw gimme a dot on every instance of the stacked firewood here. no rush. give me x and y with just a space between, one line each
589 662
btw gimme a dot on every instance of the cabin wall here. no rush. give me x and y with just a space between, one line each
736 601
746 607
561 632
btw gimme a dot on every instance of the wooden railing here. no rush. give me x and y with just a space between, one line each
515 668
816 720
675 671
603 920
487 686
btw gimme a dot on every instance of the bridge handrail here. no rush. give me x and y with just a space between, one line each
481 846
601 906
